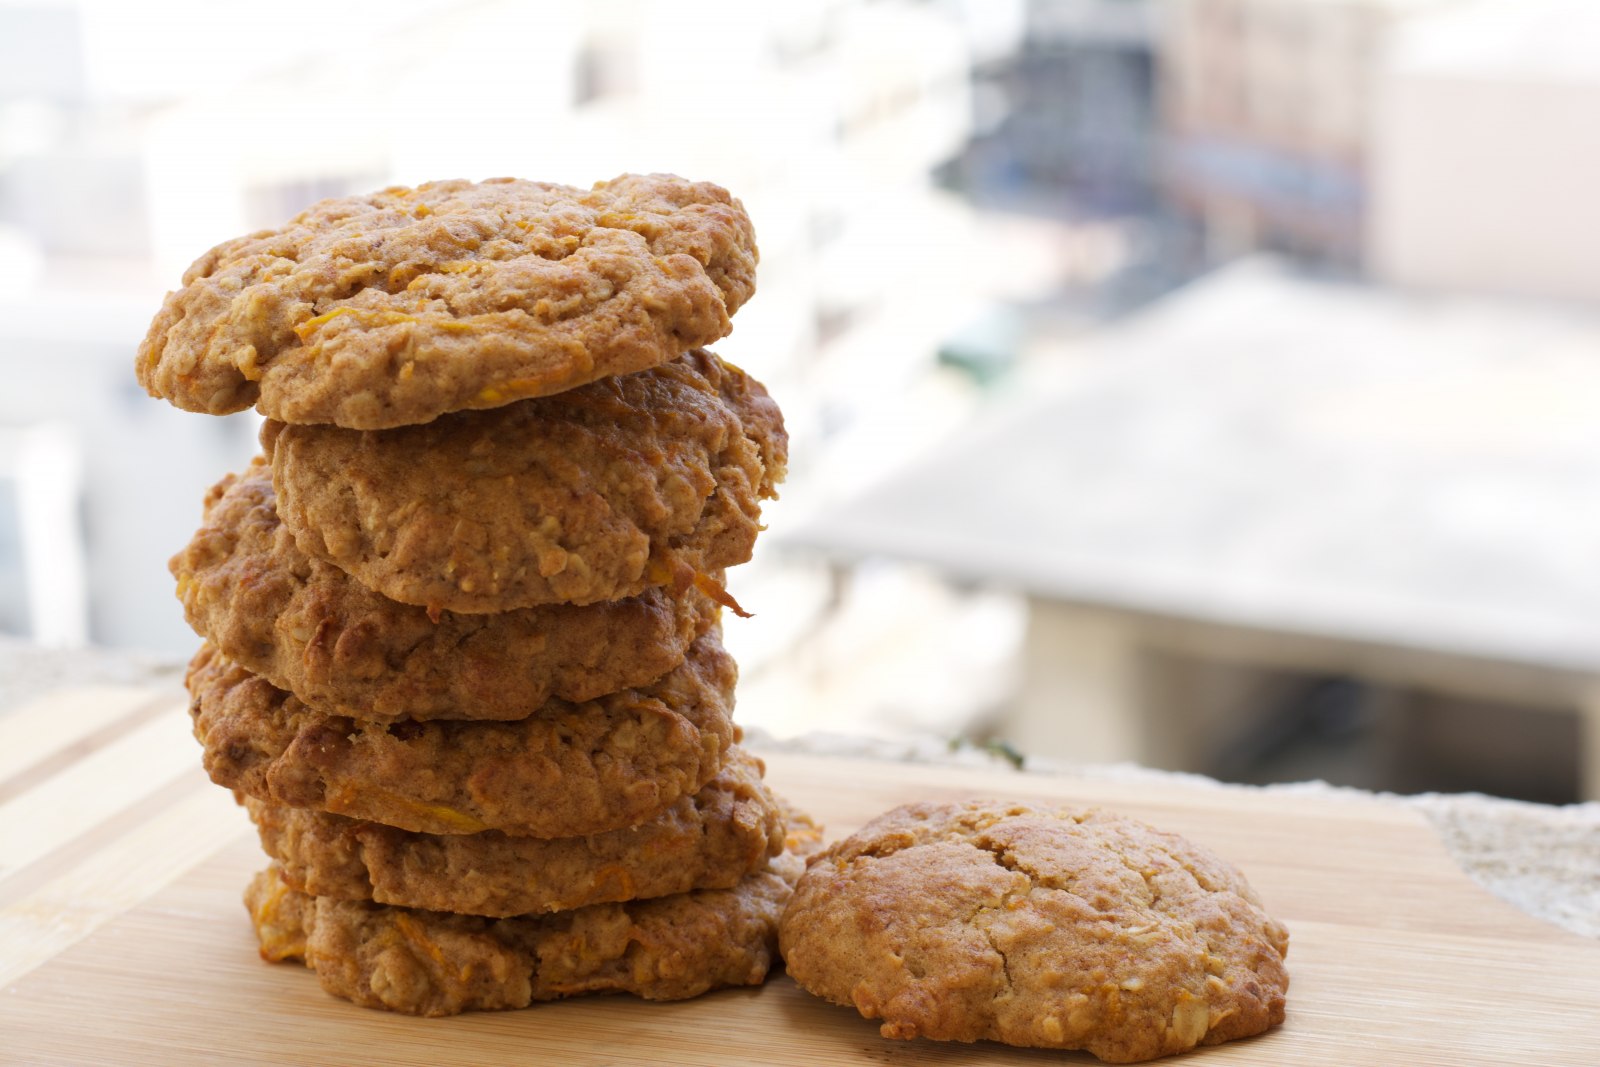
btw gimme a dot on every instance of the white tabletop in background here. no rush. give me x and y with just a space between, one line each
1308 457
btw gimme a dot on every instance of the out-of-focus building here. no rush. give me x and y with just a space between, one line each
1277 519
1072 110
1485 172
133 137
1265 107
1066 144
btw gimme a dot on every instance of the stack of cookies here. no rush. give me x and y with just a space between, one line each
462 617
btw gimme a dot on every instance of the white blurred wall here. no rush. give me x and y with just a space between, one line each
1485 159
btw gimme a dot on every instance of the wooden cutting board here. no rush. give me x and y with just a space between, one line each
123 939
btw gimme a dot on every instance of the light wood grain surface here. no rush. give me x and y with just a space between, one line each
123 939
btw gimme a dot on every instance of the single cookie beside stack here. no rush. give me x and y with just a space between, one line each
1036 925
462 656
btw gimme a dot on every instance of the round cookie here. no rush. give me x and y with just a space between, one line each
1037 926
593 494
709 840
434 963
308 627
567 770
394 308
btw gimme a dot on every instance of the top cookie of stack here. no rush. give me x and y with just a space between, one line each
395 308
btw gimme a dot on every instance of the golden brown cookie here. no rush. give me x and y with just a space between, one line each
394 308
567 770
593 494
709 840
434 963
1039 926
308 627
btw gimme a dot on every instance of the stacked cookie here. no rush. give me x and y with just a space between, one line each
462 617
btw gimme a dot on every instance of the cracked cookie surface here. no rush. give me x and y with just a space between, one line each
597 493
434 963
393 308
709 840
308 627
566 770
1036 926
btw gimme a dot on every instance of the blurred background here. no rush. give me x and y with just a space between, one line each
1208 383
